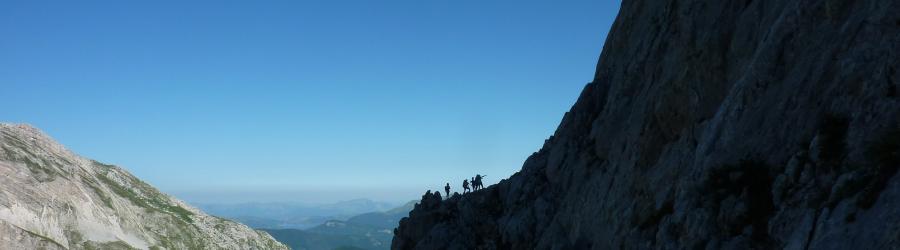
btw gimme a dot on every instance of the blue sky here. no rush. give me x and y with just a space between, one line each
318 101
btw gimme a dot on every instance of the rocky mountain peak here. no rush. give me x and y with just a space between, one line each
52 198
709 125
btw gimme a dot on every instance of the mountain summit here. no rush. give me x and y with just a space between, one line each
755 124
54 199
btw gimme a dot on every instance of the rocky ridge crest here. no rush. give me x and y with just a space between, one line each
52 198
709 125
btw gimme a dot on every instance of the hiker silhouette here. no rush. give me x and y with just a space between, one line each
466 186
477 182
447 189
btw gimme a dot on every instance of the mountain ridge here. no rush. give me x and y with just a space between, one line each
287 215
55 199
708 125
372 230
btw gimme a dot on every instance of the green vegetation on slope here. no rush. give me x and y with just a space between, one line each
154 203
42 237
17 151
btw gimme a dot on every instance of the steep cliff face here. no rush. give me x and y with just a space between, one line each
709 124
53 199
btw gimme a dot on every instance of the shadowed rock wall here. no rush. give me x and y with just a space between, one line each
709 124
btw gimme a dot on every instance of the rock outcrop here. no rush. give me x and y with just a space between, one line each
709 125
54 199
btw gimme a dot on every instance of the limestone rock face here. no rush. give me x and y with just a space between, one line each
54 199
709 125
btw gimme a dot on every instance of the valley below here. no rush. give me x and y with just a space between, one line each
353 224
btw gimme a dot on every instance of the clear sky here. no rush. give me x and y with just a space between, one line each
318 101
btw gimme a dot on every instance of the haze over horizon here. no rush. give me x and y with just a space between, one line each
319 101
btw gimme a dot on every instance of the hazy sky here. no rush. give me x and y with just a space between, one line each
229 101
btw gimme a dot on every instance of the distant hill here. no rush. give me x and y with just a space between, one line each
365 231
357 206
303 240
386 219
282 215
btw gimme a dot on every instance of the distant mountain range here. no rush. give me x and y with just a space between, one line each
373 230
293 215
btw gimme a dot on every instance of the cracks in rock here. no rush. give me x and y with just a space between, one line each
741 198
885 154
653 220
812 230
891 85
